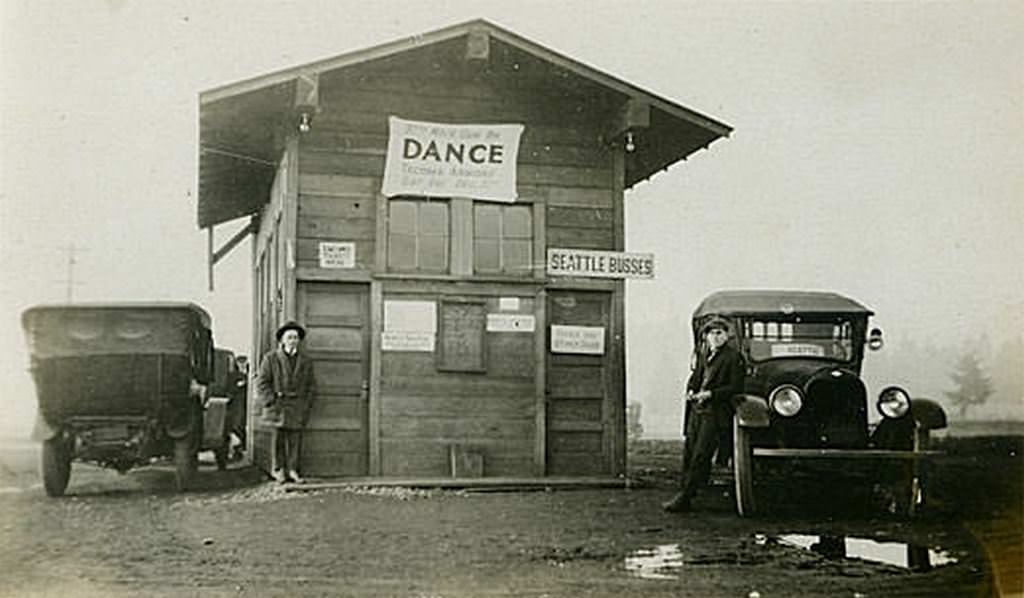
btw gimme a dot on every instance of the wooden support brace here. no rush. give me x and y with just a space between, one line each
215 256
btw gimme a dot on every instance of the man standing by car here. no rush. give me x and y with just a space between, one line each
286 388
716 378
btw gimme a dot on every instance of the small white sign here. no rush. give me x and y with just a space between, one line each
510 323
577 339
797 350
508 303
599 264
337 255
410 316
407 341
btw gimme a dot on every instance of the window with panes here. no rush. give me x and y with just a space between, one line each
502 239
418 235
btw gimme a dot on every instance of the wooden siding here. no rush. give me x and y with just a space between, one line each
566 170
336 208
424 411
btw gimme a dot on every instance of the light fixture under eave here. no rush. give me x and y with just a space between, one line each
630 145
305 122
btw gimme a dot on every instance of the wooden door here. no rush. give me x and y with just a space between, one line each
336 317
578 382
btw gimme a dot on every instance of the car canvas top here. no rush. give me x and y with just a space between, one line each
736 302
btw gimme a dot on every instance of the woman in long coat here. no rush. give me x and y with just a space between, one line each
287 387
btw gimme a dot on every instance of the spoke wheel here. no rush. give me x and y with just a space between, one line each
743 471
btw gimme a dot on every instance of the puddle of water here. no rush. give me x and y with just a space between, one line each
660 562
899 554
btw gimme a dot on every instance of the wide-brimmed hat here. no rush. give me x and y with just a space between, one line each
713 323
290 325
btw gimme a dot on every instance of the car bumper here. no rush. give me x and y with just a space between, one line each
874 454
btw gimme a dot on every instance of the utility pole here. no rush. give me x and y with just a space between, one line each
69 282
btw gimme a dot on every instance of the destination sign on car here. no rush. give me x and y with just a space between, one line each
599 264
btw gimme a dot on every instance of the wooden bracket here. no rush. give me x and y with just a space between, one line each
215 256
634 115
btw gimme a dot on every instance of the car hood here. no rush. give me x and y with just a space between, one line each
798 372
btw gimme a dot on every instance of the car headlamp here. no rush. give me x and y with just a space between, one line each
786 400
893 402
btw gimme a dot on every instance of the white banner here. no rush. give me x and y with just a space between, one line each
444 160
599 264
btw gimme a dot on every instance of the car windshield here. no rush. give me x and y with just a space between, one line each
771 339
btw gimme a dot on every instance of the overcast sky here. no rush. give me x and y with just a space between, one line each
877 152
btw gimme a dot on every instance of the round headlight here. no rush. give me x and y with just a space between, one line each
893 402
786 400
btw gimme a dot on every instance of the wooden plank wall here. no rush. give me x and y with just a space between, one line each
564 166
269 274
423 411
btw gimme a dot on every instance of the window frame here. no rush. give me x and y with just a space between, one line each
504 269
418 235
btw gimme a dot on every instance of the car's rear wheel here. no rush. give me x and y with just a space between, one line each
186 462
743 470
56 464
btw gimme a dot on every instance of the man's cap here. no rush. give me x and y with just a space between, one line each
291 325
713 323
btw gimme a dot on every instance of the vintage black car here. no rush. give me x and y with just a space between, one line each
122 384
804 402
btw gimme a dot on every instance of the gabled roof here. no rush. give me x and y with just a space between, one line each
732 302
243 125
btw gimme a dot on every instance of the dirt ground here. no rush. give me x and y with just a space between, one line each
237 535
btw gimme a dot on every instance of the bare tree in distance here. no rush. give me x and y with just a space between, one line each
972 388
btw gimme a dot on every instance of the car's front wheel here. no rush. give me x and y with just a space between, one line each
743 470
56 463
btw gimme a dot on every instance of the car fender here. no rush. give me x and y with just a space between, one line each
928 414
41 430
751 411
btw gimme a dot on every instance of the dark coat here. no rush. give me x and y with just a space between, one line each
286 395
722 374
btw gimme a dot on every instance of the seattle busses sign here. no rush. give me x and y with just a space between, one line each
435 159
599 264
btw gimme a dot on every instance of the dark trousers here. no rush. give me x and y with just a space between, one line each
702 435
287 444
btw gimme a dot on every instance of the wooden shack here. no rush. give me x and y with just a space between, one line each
444 213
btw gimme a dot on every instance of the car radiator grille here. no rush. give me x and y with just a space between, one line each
836 413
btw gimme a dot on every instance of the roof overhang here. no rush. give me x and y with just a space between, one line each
244 126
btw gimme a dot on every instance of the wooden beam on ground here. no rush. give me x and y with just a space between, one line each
496 484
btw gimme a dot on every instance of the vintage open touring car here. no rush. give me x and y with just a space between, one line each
804 401
120 384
